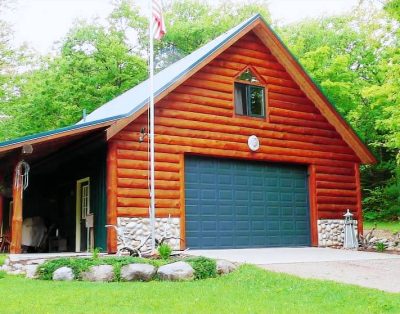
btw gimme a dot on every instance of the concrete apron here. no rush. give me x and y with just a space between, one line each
266 256
373 270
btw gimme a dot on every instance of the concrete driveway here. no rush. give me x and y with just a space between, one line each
367 269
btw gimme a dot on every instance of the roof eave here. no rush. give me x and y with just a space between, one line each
54 134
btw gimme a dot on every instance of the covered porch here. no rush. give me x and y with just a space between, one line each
53 192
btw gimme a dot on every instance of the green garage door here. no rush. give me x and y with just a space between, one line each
242 204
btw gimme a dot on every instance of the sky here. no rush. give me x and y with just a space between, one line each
42 22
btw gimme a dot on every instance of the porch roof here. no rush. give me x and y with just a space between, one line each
46 143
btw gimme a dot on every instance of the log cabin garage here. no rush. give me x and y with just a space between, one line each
248 153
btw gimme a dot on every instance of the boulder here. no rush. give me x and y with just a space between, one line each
225 267
63 274
142 272
176 271
31 271
99 273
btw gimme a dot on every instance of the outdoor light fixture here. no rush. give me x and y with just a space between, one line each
142 135
27 149
253 143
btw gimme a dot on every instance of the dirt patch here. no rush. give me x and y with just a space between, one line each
379 233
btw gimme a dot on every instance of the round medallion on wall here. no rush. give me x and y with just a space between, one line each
253 142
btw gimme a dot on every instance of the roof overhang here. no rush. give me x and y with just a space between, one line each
48 142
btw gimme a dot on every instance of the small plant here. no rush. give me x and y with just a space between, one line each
203 267
165 251
380 246
95 252
3 258
2 274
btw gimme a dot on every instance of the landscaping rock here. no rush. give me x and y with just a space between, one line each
99 273
225 267
176 271
63 274
133 272
31 271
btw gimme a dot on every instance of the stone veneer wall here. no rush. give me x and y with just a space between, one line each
331 232
136 229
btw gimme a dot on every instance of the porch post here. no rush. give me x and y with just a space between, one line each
1 212
1 208
16 226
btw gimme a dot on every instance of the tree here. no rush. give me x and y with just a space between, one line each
96 63
355 60
192 23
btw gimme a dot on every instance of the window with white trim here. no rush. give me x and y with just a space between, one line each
249 95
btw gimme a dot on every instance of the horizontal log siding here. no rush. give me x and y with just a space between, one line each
198 117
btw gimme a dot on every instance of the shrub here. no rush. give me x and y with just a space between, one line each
380 246
2 274
165 251
203 267
95 252
77 265
3 258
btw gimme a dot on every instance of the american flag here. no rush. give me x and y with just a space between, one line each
158 21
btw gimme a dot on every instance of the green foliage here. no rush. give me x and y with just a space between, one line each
78 265
203 267
3 258
95 64
165 251
393 8
380 246
355 60
193 23
381 204
2 274
95 252
391 226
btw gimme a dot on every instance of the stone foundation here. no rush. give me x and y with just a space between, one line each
136 229
331 232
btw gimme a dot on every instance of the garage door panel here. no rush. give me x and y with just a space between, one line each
237 204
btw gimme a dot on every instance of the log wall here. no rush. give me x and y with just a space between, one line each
198 118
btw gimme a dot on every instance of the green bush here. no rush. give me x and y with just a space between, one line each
95 252
2 274
380 247
3 258
165 251
382 203
203 267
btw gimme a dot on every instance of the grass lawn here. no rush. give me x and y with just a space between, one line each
248 290
392 226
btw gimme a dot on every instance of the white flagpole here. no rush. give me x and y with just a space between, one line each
151 133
